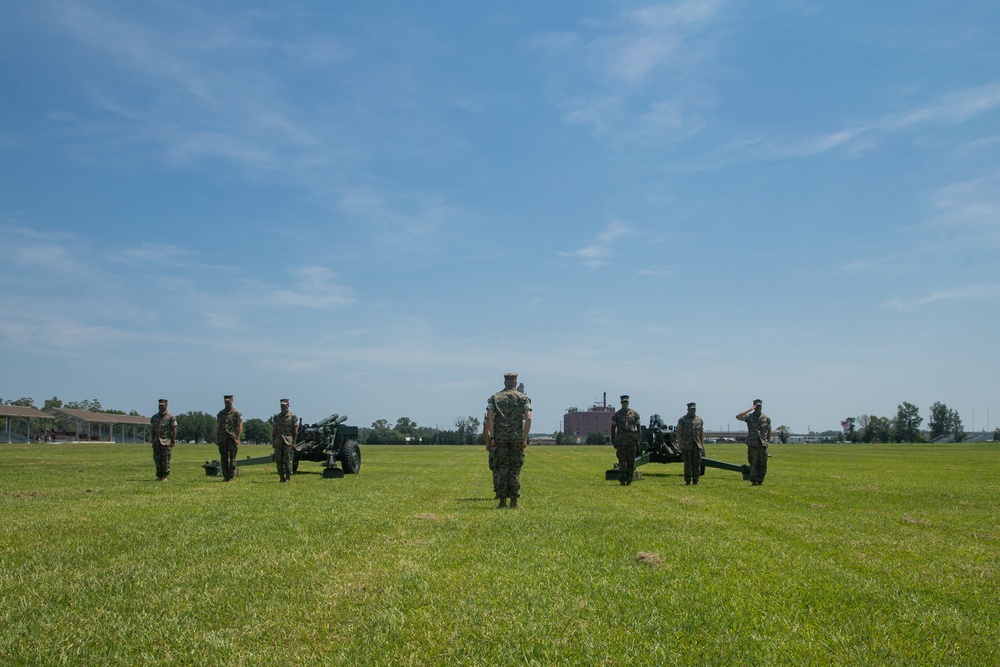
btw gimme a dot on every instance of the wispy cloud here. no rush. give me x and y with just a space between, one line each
610 75
859 137
950 295
596 254
313 287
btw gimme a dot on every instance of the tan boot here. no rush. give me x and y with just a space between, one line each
514 505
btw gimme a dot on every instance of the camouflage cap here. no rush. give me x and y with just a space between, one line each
691 405
624 397
757 401
510 376
163 401
283 401
227 397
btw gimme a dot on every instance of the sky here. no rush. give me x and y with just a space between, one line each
378 209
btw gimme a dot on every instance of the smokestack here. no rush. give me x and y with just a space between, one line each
605 399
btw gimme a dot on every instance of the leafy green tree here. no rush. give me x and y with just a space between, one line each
880 429
783 432
996 434
850 432
196 426
53 402
256 431
596 438
406 426
23 402
468 429
382 434
907 424
945 421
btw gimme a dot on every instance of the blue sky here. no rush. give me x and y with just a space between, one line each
379 208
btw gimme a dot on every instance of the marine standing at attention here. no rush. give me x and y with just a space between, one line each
758 436
691 433
625 436
228 433
163 433
283 436
505 430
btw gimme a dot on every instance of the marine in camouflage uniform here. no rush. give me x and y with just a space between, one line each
163 433
228 433
758 437
505 430
626 432
691 435
283 436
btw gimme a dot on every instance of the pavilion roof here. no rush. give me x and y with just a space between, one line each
20 411
101 417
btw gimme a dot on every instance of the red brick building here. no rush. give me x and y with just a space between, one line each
595 419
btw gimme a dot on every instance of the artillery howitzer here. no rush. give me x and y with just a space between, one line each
328 441
658 445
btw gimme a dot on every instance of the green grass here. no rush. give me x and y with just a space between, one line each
848 555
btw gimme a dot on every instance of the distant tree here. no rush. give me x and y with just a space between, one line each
51 403
850 433
878 429
468 429
945 421
596 438
256 431
783 432
406 426
196 426
23 402
996 434
382 434
907 424
92 405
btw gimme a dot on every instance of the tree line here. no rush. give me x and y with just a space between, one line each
905 426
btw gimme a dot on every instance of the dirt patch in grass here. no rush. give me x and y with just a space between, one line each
916 522
24 495
649 558
429 516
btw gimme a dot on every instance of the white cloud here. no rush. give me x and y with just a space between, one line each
596 254
953 294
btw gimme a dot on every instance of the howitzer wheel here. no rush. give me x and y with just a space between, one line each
350 457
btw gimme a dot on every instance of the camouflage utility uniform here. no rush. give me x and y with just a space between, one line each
758 428
509 409
229 422
162 427
689 433
285 425
627 436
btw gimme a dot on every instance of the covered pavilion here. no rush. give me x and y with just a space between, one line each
12 412
86 421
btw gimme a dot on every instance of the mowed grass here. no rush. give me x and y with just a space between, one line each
848 555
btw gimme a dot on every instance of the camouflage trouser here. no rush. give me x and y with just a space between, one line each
493 464
757 456
692 464
227 455
626 451
161 457
284 457
508 459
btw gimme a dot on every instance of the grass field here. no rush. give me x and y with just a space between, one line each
848 555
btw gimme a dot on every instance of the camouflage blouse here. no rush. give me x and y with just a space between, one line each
509 410
161 428
229 423
627 425
285 431
757 428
